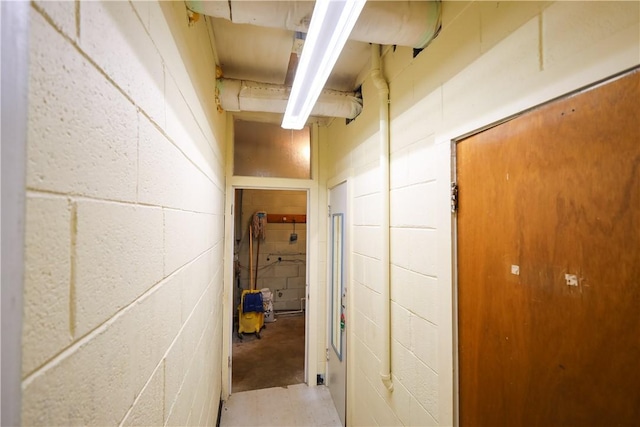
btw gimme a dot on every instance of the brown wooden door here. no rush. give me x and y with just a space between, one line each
553 192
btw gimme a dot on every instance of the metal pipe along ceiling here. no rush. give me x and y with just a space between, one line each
402 23
243 95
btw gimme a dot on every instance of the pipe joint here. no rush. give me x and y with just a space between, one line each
376 72
386 380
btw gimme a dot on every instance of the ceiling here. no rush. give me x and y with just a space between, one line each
260 41
263 54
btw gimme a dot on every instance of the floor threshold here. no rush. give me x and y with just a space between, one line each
294 405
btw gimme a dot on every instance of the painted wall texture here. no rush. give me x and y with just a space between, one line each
491 60
124 226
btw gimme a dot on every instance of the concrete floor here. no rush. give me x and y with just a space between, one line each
275 360
291 406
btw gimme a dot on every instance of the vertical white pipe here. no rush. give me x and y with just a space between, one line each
383 92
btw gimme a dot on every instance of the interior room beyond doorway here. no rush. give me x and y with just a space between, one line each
270 241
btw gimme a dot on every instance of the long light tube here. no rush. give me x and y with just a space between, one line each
331 24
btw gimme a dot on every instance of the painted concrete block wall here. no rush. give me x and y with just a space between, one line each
124 223
491 60
286 278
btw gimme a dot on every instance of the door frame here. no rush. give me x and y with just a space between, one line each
14 25
345 178
311 303
534 101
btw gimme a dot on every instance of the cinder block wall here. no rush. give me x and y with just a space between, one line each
124 223
491 60
285 278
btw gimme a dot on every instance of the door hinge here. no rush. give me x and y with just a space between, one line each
229 361
454 197
329 211
327 352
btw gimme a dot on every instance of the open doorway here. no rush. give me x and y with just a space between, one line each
270 259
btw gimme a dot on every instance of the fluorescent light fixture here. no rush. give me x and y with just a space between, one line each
331 24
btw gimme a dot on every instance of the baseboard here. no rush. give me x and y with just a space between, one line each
219 413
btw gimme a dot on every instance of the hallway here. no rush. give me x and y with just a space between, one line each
125 216
297 405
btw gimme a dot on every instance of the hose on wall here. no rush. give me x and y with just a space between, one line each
383 91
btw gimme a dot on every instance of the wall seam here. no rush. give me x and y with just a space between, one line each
164 387
108 78
165 72
414 227
88 336
431 276
138 155
164 242
79 197
78 21
73 262
411 143
414 184
172 141
200 339
139 394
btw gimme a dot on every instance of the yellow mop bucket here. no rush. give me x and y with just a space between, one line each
250 321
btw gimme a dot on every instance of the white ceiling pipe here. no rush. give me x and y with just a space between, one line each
402 23
243 95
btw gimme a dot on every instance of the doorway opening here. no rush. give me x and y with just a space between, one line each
270 262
